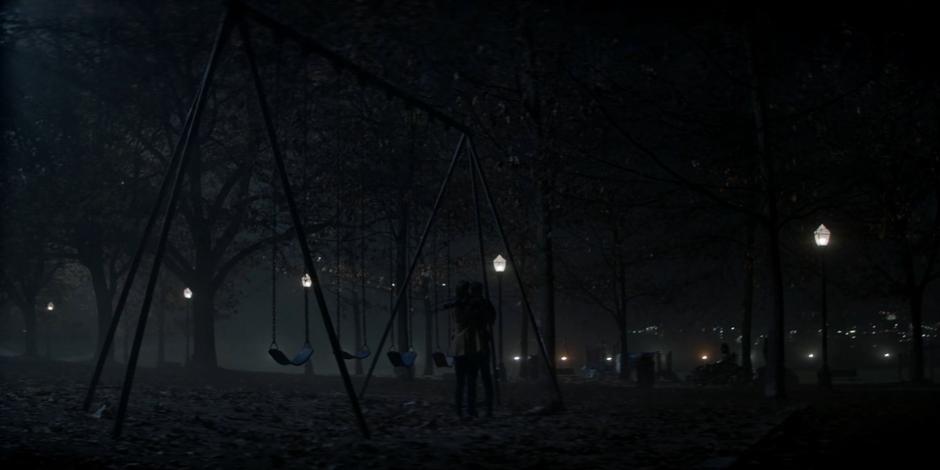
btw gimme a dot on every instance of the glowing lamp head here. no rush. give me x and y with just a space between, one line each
704 357
887 355
516 358
810 355
610 358
188 293
306 281
564 358
822 235
50 306
499 263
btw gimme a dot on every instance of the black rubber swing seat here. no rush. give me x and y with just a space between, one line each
402 359
360 354
299 359
441 360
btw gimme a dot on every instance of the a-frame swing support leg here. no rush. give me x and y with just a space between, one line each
510 258
301 233
549 362
172 183
414 262
165 186
186 137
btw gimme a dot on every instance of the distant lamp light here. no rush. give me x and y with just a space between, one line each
704 357
306 281
443 284
887 355
50 306
516 358
393 284
610 358
822 235
188 293
564 358
810 355
499 263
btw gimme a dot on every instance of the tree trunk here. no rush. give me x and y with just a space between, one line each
204 354
620 294
548 276
359 342
624 351
523 326
401 271
428 325
125 340
775 385
748 302
308 366
917 341
103 296
29 319
161 332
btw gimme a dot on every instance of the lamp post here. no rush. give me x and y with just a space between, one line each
188 295
49 308
499 265
822 235
307 282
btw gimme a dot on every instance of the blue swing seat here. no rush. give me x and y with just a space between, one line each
299 359
402 359
360 354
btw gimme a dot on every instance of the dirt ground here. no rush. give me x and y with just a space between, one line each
230 419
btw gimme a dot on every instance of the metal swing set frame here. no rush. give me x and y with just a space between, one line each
238 15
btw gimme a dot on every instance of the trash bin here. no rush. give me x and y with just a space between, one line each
646 370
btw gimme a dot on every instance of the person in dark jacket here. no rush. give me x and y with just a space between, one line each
464 346
482 317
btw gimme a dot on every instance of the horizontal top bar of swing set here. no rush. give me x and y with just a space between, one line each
362 74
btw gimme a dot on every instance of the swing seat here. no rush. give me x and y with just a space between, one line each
442 360
402 359
361 354
299 359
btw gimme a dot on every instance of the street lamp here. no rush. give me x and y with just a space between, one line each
822 235
50 306
499 265
188 295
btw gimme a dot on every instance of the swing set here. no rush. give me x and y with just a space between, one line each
238 15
